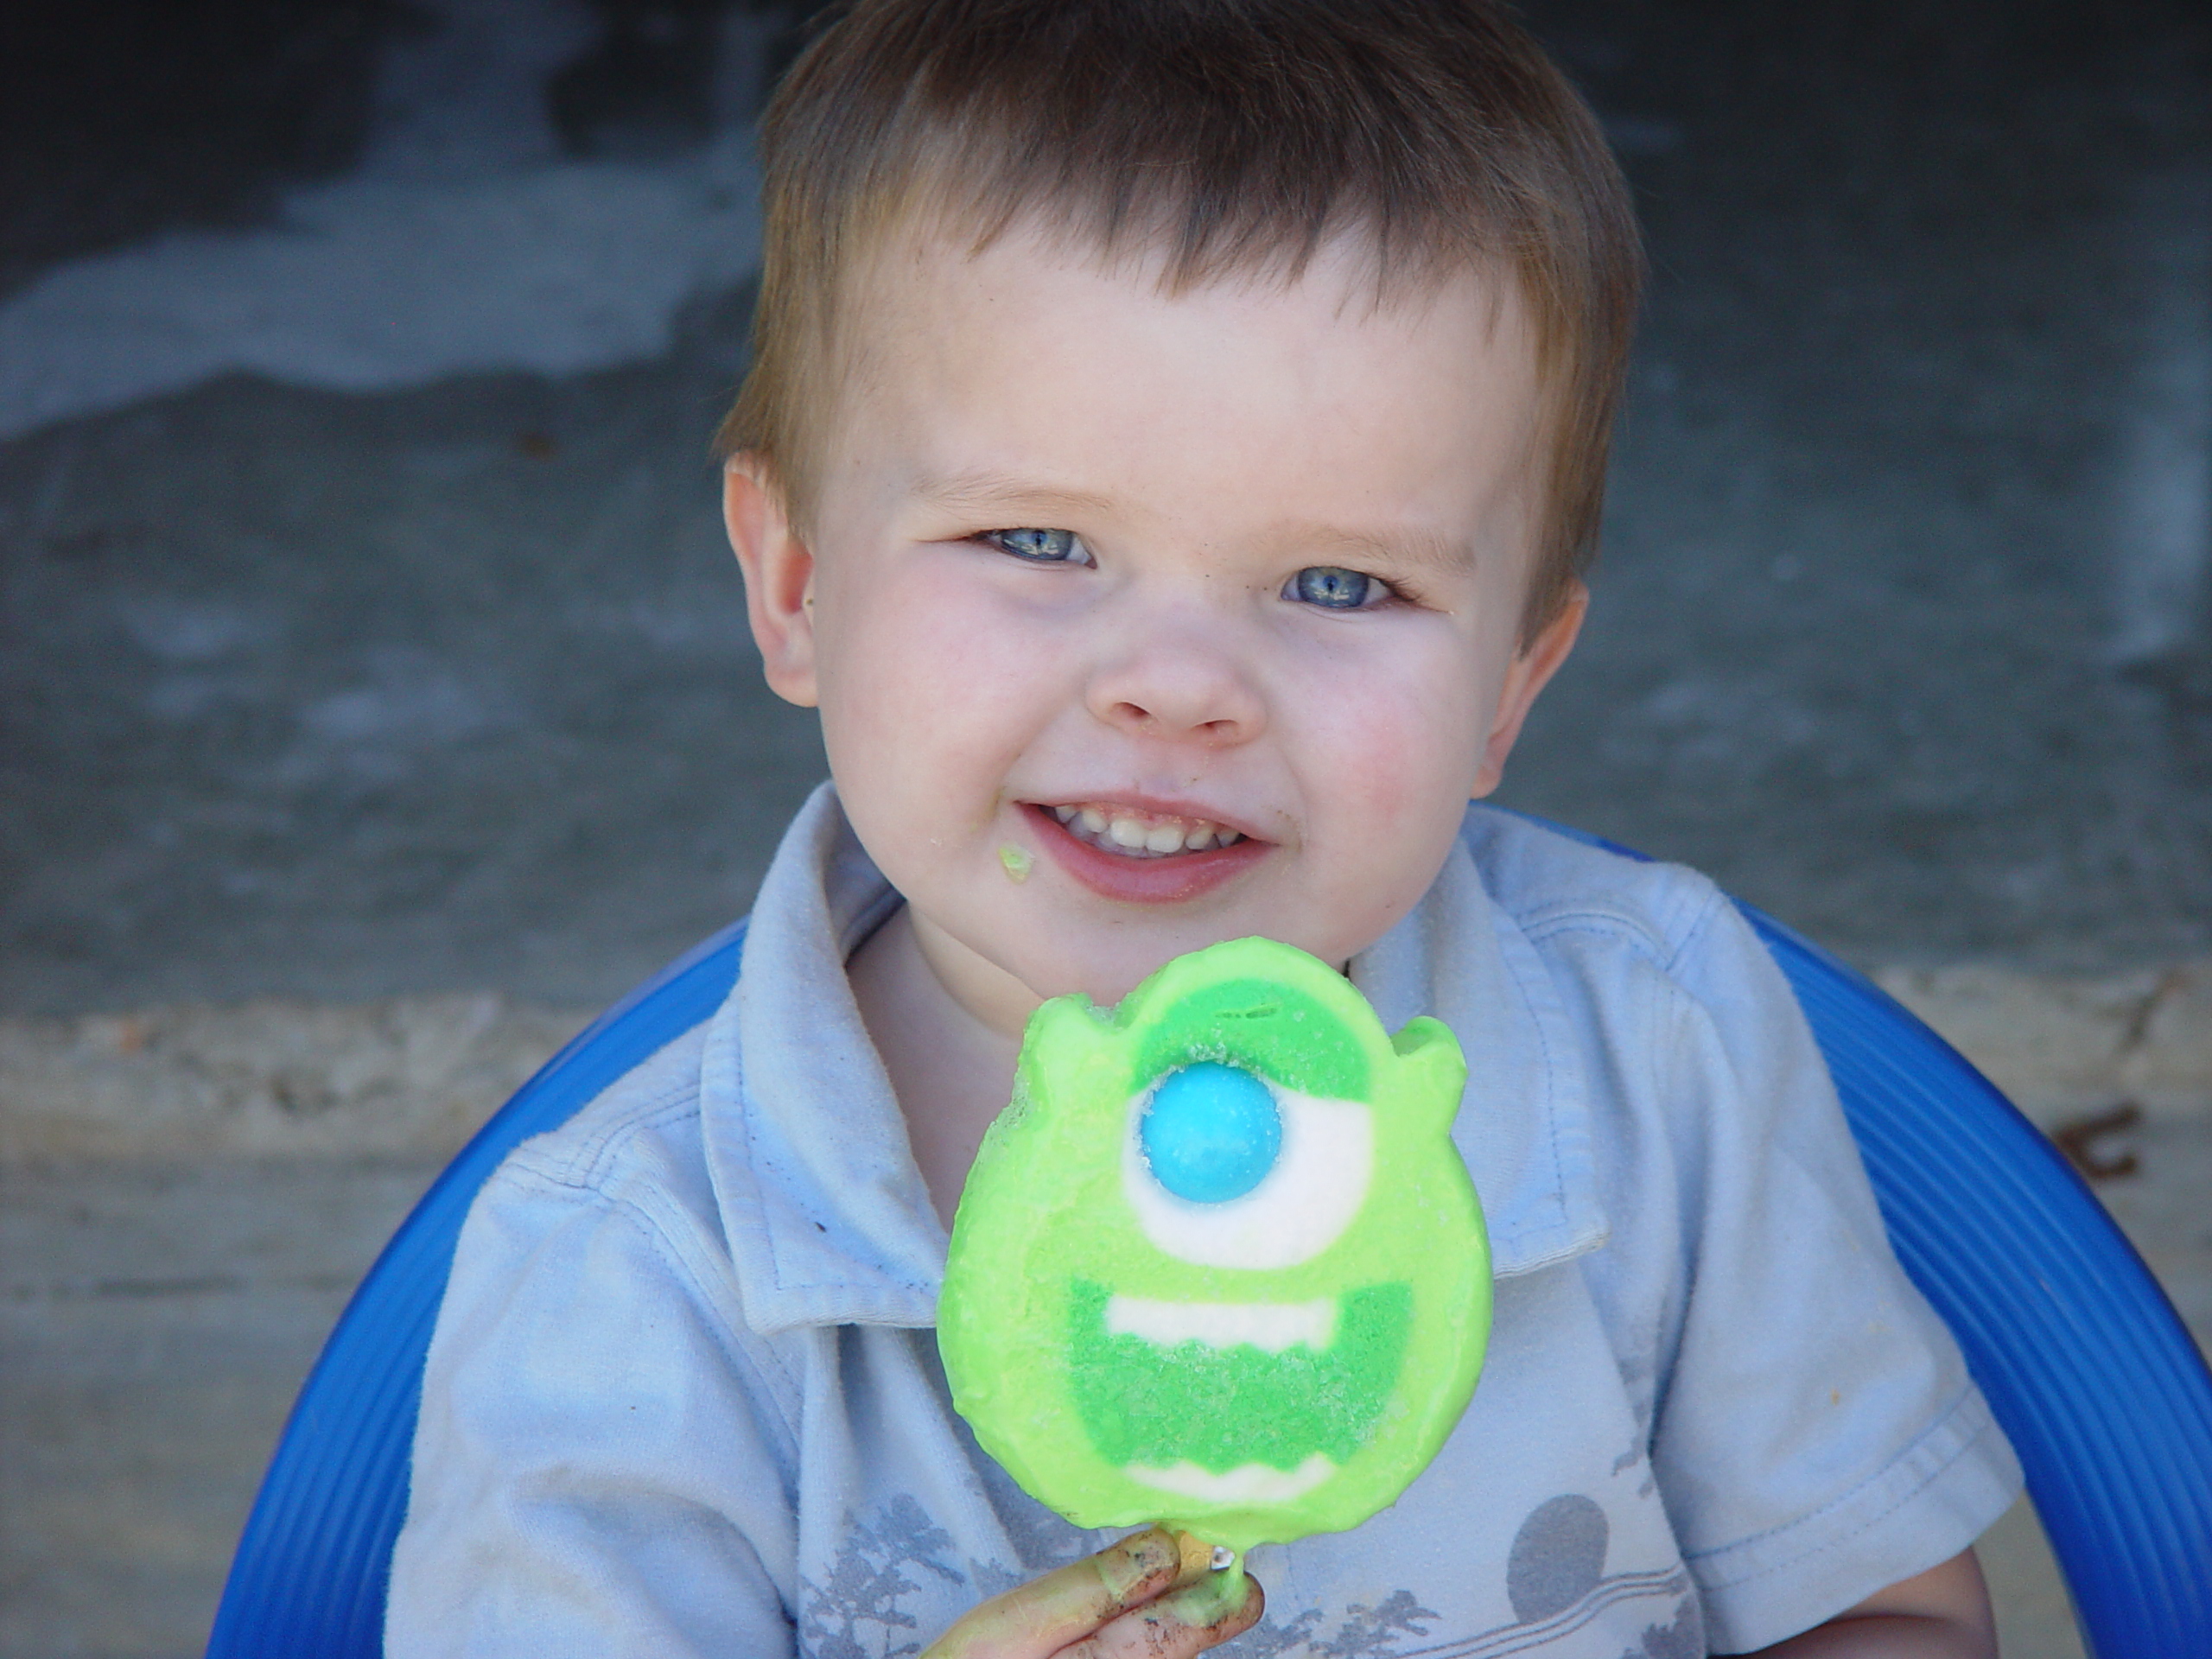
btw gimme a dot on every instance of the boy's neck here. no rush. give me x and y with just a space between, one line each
948 1031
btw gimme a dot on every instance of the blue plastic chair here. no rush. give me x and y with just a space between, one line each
2081 1357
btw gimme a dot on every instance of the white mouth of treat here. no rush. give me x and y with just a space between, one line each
1130 834
1248 1483
1271 1327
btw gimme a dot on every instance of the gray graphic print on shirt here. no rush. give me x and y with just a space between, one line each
857 1614
1554 1581
1363 1633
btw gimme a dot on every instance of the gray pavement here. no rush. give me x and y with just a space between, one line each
1901 626
330 696
154 1324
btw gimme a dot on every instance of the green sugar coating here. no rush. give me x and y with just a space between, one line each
1279 1364
1267 1026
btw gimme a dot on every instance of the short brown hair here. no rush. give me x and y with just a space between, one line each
1229 135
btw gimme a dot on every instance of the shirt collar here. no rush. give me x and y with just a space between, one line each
1523 1126
828 1218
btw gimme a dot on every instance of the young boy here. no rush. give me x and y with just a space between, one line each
1175 430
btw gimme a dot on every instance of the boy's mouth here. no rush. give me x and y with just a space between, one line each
1128 833
1133 855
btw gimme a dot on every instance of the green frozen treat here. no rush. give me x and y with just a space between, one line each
1218 1264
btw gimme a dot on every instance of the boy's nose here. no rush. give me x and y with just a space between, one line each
1179 688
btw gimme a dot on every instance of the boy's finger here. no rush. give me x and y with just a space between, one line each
1047 1613
1180 1624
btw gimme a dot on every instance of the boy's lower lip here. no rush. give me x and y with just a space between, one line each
1143 881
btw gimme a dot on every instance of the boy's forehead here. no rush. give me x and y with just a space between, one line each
1036 325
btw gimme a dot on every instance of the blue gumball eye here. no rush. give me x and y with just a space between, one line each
1211 1132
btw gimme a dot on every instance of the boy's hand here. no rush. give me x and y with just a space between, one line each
1154 1595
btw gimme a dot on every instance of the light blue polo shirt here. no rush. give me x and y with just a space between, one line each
683 1396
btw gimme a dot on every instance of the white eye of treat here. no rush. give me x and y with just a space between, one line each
1313 1189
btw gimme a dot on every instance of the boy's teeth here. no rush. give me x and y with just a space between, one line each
1122 832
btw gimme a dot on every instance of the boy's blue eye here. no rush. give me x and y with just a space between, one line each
1333 588
1038 546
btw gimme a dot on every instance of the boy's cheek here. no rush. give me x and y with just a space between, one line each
932 621
1409 753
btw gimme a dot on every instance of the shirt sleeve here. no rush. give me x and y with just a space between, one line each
1814 1432
594 1468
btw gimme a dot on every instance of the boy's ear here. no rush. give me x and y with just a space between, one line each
1533 667
778 570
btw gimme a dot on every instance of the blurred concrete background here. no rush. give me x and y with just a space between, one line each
375 698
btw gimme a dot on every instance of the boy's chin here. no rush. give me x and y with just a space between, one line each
1106 961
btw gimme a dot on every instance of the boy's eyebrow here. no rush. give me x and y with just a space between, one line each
1407 544
973 492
